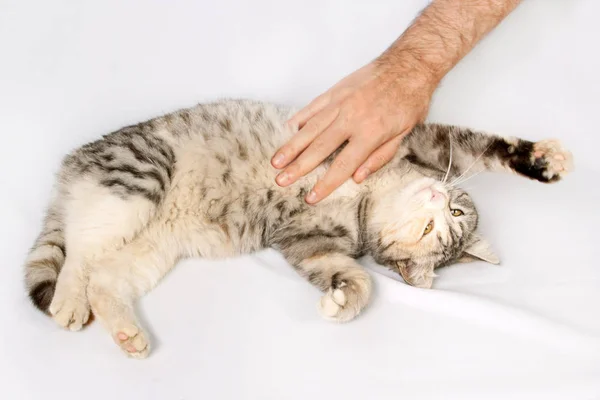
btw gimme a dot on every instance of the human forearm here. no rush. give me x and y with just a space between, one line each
443 34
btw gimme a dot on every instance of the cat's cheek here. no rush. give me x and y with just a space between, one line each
410 233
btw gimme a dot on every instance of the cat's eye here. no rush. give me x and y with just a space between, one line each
456 212
428 228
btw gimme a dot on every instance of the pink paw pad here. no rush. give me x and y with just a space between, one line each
127 346
132 341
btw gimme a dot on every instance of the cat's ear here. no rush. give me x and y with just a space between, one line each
480 249
414 275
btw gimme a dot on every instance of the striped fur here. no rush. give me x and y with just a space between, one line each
45 260
198 182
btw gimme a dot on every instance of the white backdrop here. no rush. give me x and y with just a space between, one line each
248 328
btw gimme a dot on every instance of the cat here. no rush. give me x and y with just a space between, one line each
198 182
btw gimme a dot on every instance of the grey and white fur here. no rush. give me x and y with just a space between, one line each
198 183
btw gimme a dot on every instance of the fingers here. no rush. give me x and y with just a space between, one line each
342 168
320 148
301 140
332 95
318 104
378 159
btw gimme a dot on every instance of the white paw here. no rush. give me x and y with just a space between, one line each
70 310
343 303
132 341
553 158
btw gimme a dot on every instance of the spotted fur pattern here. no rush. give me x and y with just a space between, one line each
198 182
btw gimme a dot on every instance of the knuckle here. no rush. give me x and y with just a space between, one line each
377 129
345 92
323 99
311 108
381 159
319 144
341 165
311 126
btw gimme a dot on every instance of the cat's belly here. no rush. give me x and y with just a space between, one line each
196 217
224 200
216 219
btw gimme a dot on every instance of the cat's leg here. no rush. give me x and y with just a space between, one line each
346 285
430 146
323 261
121 277
95 220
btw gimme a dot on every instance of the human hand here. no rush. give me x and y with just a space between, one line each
372 108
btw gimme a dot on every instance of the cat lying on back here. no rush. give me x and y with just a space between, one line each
199 183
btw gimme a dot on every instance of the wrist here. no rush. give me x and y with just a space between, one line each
408 70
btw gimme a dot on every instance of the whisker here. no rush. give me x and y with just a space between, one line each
449 159
468 178
471 166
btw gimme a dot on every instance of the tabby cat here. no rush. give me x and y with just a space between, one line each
198 183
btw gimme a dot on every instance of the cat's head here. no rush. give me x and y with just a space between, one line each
426 226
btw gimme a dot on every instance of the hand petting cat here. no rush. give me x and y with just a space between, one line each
363 110
373 108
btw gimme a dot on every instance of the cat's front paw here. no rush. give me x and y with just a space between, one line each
551 160
345 299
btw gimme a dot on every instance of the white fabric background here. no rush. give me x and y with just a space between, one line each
248 328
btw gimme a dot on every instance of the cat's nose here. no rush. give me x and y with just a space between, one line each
437 199
435 195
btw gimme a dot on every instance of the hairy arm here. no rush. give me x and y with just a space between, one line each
443 34
376 106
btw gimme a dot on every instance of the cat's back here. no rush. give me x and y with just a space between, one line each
225 144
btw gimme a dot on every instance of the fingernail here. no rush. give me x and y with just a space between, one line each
283 178
312 197
362 173
278 160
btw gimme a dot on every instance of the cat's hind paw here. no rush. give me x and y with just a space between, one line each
132 340
70 310
552 160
